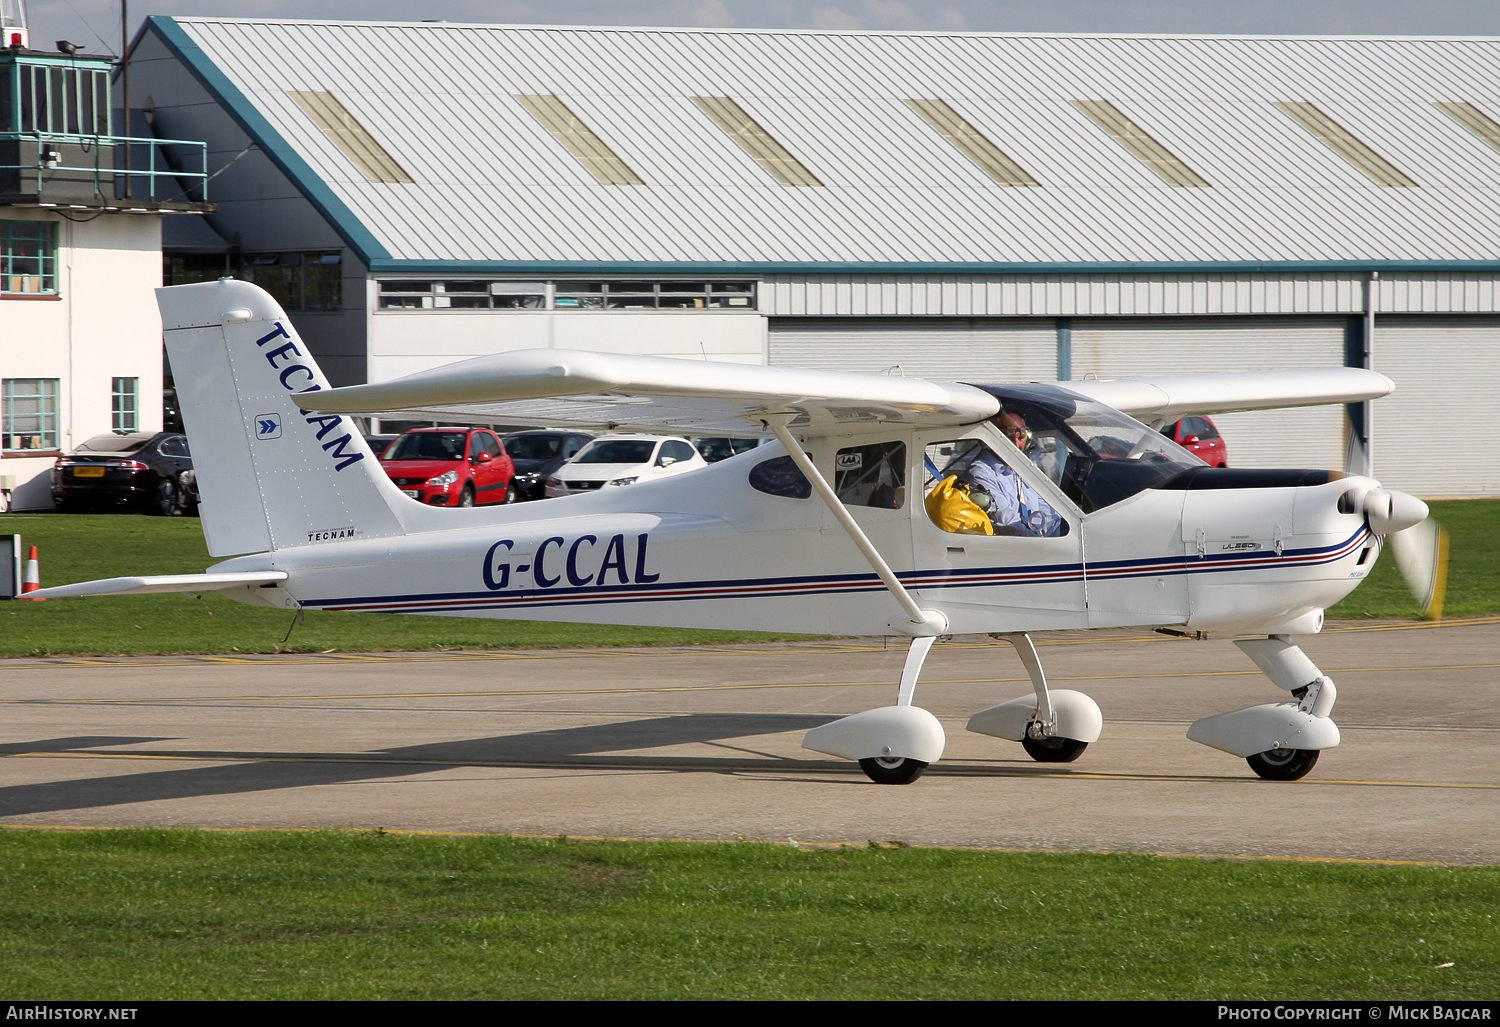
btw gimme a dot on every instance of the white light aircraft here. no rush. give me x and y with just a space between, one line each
864 518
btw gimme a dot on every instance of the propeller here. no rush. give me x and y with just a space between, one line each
1417 544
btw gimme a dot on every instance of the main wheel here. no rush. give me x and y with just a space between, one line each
892 770
1283 764
1053 749
466 497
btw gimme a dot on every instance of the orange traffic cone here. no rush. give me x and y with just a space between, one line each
33 578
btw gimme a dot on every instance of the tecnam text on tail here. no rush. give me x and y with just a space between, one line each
886 505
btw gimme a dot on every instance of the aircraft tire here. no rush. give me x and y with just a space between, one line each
884 770
1053 749
1283 764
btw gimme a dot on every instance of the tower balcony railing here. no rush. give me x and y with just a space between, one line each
94 170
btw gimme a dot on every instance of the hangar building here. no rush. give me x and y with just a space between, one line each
955 205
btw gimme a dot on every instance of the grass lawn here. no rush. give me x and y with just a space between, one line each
140 914
82 547
79 547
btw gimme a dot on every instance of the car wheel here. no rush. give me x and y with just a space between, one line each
510 494
466 497
167 502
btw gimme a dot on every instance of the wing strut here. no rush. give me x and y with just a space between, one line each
923 623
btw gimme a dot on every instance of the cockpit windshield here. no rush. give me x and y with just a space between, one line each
1097 455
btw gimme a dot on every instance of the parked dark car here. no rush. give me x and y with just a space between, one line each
450 466
537 454
716 448
143 471
378 443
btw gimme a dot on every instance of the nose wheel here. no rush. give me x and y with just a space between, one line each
1283 764
892 770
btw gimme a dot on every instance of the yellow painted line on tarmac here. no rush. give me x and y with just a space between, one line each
683 763
541 693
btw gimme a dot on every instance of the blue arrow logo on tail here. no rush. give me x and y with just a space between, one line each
268 426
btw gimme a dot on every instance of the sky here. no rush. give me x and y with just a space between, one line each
95 24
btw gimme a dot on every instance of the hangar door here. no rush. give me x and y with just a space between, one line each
948 348
1434 434
1302 437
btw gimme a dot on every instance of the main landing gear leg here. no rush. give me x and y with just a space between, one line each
1052 725
1280 741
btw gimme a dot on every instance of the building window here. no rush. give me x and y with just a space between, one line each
56 100
465 295
483 294
28 414
628 295
298 281
190 268
124 395
28 257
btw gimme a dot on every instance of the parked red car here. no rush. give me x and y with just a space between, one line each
1199 437
450 466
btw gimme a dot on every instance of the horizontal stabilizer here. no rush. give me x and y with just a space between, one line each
158 583
1172 396
589 390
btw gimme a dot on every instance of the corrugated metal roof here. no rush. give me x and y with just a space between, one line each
494 187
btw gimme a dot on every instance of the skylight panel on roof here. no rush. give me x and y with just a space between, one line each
1475 120
1343 142
756 141
970 142
353 141
1140 144
591 151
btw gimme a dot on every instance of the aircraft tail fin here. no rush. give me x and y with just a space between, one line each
271 475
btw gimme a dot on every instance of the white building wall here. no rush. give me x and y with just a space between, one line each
1432 435
405 342
102 324
1122 295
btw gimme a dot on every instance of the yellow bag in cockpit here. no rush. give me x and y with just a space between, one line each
950 508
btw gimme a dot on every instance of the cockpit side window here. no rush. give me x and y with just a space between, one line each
873 475
972 490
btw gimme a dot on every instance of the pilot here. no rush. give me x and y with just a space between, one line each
1015 508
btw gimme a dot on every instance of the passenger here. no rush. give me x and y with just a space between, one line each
1015 508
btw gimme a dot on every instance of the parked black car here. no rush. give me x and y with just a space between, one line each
148 472
537 454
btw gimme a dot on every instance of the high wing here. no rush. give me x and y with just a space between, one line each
1159 400
575 388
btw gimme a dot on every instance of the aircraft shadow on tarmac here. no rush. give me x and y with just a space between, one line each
566 748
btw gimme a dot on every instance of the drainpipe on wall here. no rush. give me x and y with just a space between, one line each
1064 349
1372 298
